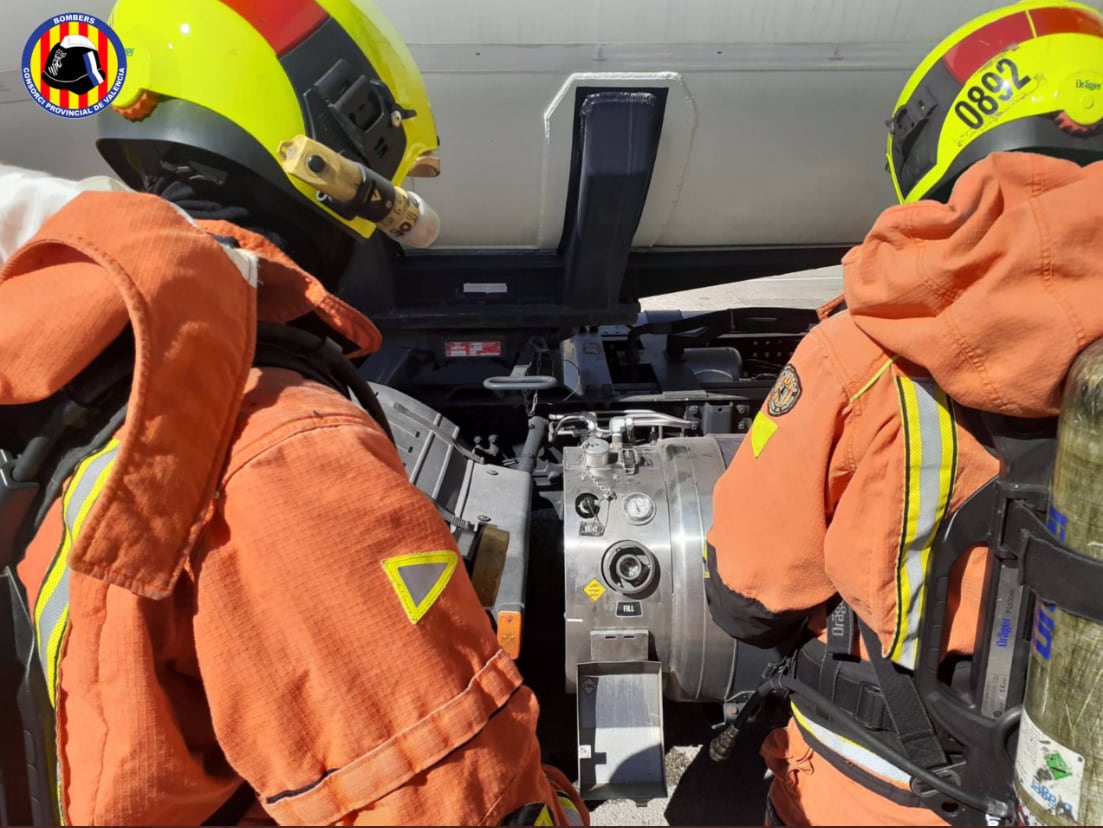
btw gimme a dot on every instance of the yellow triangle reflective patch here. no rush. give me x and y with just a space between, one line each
419 579
762 429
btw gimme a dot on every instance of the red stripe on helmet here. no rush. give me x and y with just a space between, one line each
82 30
985 43
106 62
1066 21
43 53
63 94
283 23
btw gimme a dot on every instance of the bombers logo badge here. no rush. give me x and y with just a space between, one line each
785 394
73 65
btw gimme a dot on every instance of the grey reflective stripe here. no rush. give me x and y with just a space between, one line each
851 751
930 466
88 474
52 606
52 613
569 808
84 482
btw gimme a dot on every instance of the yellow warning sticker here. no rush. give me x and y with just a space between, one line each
419 579
594 589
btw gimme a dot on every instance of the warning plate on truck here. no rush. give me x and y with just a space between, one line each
467 348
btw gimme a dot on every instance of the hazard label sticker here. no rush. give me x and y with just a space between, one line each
419 579
470 348
1049 773
594 589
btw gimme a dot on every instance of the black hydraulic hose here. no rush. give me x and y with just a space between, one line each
346 371
721 746
538 430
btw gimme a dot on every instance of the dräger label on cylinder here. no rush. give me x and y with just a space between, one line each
1050 773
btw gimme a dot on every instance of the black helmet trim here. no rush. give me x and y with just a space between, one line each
137 148
1040 134
917 126
346 104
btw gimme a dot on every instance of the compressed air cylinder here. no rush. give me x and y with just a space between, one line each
1059 758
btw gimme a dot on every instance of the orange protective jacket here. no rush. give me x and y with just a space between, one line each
858 455
242 584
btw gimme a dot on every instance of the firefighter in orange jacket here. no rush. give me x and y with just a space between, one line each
976 292
239 590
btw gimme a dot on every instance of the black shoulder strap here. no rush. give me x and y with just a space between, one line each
905 708
26 724
317 358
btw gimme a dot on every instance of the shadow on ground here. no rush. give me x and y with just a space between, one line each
716 793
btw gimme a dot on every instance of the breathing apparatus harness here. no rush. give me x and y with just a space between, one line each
953 734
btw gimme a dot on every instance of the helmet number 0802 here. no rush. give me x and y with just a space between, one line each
984 98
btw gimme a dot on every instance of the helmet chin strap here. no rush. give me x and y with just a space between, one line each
203 194
206 192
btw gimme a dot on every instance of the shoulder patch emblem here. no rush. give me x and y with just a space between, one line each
419 579
785 394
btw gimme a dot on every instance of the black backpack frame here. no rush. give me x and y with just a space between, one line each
967 778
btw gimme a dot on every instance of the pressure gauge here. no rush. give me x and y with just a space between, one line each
639 508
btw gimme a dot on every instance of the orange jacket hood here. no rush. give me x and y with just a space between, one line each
994 293
108 259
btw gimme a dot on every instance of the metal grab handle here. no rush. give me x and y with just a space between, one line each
535 382
645 419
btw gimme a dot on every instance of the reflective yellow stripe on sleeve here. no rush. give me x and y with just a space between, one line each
51 614
930 466
52 606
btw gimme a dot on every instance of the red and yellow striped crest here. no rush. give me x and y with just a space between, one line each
74 65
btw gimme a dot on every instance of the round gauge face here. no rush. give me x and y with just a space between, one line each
639 508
